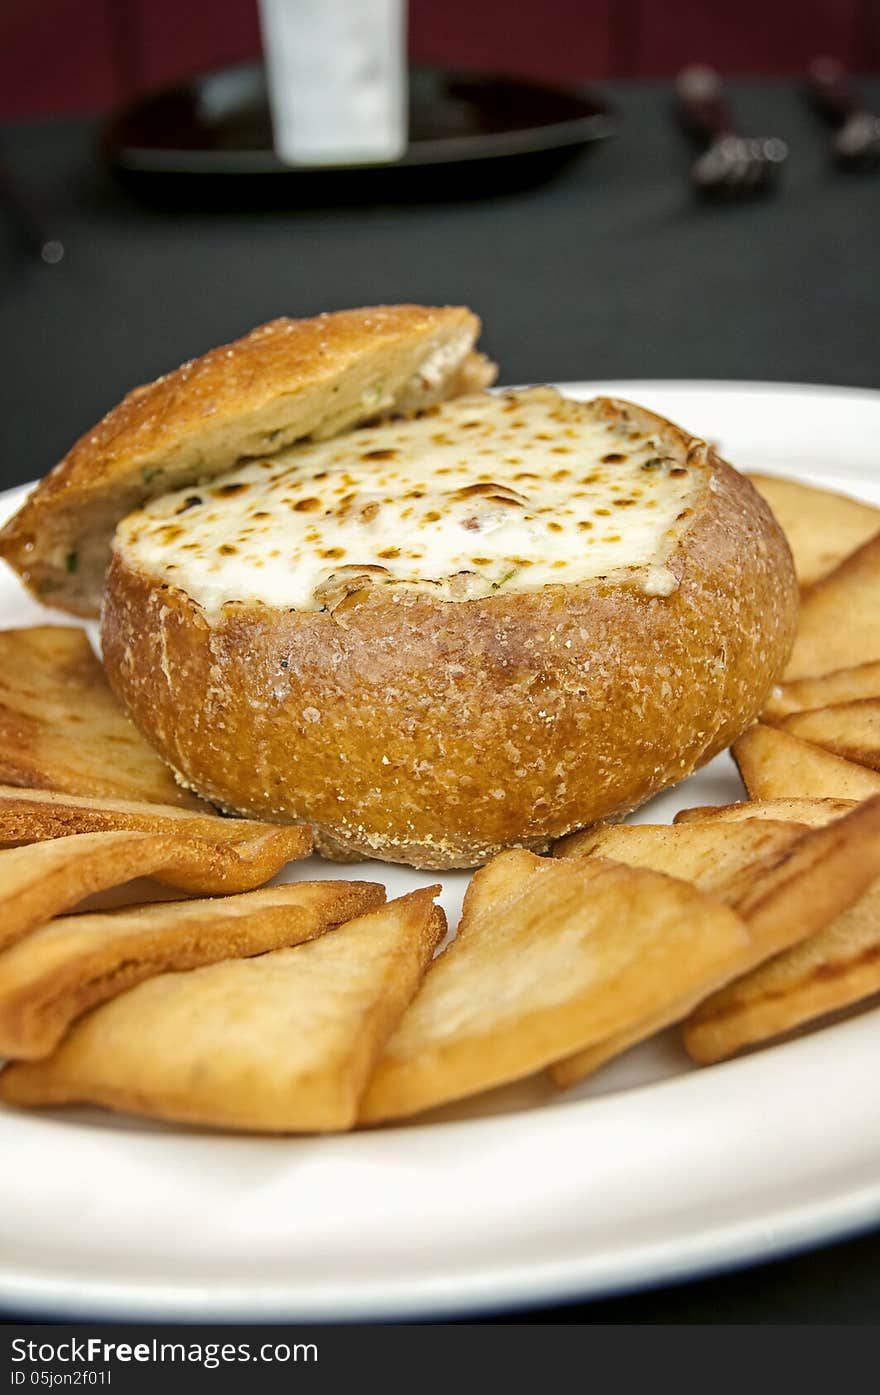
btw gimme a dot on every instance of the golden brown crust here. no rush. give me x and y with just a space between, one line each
62 729
437 733
286 380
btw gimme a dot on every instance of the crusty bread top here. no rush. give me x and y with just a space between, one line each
285 381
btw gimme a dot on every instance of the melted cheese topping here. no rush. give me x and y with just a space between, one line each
482 494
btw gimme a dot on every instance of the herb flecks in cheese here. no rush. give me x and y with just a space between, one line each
483 494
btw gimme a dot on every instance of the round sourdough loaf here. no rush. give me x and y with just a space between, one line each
430 718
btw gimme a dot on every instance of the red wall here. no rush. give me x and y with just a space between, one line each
80 55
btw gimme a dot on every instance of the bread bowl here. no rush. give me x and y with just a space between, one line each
486 622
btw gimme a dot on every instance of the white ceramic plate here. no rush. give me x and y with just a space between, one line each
651 1171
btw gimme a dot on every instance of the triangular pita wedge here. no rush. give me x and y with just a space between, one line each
284 381
822 527
707 854
774 764
784 899
561 955
40 880
572 1069
843 685
812 812
836 968
850 730
61 728
795 895
232 854
31 815
75 962
840 618
281 1043
712 855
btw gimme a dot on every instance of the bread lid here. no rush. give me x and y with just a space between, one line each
285 381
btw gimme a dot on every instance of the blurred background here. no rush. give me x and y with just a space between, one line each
61 56
603 264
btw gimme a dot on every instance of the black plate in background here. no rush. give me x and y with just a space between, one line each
469 134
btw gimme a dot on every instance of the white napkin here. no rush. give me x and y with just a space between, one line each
337 79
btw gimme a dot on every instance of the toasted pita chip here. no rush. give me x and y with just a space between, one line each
73 963
822 527
234 854
707 854
843 685
713 856
37 882
572 1069
61 727
850 730
840 618
784 898
560 955
281 1043
812 812
43 879
837 968
774 764
32 815
795 895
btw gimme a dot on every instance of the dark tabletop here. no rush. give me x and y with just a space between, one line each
610 270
